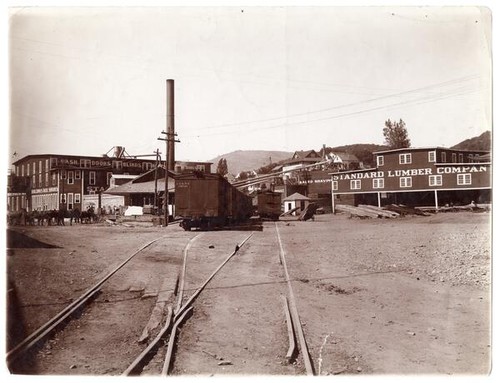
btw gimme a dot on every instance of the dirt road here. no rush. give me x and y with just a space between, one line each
381 296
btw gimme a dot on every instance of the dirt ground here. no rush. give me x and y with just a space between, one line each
409 295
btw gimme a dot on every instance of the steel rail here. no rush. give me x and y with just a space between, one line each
139 360
200 289
181 312
183 274
295 314
171 342
292 345
52 323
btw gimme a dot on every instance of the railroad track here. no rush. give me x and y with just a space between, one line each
172 322
294 325
175 316
32 342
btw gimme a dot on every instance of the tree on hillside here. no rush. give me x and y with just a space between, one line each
222 167
396 135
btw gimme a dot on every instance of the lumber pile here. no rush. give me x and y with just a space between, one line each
365 211
406 210
381 212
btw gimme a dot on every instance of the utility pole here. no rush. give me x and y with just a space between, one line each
170 141
155 200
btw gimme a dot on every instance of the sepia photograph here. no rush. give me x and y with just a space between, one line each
248 191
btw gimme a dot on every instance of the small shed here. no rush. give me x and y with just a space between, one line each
295 201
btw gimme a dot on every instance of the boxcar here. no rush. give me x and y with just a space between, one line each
269 204
209 201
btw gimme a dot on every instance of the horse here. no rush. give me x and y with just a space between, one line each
75 215
88 216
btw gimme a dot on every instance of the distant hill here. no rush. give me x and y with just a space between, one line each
244 160
364 152
481 142
247 160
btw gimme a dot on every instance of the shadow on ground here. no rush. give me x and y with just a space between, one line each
17 240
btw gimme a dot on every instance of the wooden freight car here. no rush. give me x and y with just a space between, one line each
269 204
209 201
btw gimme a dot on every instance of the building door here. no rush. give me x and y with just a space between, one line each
70 201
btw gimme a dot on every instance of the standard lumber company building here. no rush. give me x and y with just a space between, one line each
417 177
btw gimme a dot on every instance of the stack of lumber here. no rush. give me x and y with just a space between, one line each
404 210
365 211
381 212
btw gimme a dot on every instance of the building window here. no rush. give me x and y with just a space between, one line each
54 179
355 184
85 163
108 177
40 166
34 167
453 157
47 165
91 178
40 180
470 158
461 158
435 180
405 158
378 183
380 160
432 156
443 156
63 198
118 165
22 170
77 198
34 181
405 182
46 179
28 169
464 179
147 166
71 177
70 201
335 185
78 174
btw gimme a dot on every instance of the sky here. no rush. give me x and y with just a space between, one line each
83 80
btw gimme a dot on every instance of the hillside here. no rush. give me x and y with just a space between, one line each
364 152
244 160
481 142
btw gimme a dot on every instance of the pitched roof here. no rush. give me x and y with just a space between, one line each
147 187
305 154
296 197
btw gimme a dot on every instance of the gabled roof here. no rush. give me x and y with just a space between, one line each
147 187
305 154
296 197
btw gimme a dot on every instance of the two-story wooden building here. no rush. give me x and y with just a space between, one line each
417 176
54 181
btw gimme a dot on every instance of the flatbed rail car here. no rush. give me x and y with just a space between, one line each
209 201
268 204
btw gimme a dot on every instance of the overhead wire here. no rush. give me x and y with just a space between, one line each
416 101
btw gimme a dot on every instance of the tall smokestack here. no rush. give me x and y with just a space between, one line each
170 125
